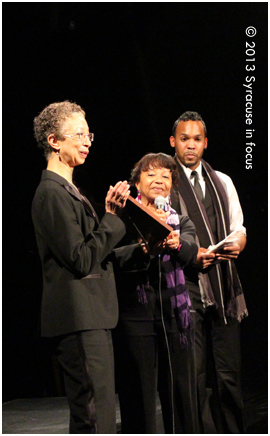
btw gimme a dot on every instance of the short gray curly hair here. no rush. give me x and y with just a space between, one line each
51 120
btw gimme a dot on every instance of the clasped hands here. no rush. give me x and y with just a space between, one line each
116 197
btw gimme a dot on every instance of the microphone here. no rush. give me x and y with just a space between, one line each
160 202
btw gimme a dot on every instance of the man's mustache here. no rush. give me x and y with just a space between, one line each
189 153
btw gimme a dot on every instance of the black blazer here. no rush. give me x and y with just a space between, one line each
78 280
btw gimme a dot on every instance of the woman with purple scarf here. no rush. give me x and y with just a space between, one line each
154 337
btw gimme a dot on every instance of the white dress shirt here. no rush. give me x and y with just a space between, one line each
235 211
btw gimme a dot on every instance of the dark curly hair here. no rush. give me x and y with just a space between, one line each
51 120
155 160
189 116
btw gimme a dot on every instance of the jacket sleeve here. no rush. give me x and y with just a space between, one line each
131 258
188 252
57 225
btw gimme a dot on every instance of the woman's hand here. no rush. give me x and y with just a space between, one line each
116 197
162 214
172 241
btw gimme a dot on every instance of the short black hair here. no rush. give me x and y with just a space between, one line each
189 116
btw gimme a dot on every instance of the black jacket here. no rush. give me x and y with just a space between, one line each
78 280
135 269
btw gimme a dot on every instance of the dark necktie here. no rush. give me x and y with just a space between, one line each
197 185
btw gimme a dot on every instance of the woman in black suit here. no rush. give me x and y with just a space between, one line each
79 303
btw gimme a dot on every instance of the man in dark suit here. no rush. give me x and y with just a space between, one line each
210 199
79 304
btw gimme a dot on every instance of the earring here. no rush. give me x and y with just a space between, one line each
139 196
57 153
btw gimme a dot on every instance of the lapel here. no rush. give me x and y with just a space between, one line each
195 208
47 174
86 203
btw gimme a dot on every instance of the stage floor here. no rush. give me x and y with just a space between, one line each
47 416
51 416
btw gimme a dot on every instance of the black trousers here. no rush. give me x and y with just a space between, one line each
142 368
88 366
218 366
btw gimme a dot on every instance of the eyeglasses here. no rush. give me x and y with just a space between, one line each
81 137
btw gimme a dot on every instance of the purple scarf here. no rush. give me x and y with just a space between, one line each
175 280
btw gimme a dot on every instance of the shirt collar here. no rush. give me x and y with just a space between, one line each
188 171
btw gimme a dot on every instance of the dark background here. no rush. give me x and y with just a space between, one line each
134 68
